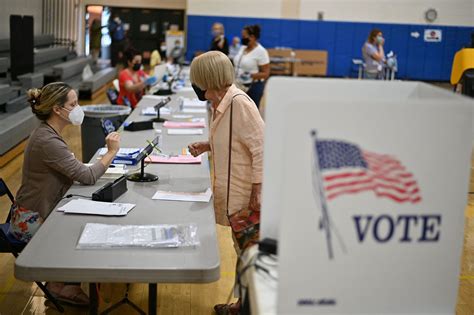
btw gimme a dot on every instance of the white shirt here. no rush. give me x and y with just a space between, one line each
248 63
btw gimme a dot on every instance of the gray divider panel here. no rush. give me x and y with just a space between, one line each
99 79
49 54
30 80
71 68
15 127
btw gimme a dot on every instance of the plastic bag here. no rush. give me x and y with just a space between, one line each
103 236
87 73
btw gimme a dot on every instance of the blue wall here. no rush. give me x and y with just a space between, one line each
417 59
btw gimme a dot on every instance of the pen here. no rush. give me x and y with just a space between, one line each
154 146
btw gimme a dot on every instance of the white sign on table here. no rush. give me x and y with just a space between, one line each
368 185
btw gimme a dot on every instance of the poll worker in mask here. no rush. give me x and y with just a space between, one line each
252 64
374 55
50 168
219 41
133 80
235 141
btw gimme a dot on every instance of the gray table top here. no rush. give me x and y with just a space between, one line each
52 255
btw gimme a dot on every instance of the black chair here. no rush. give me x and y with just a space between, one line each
9 244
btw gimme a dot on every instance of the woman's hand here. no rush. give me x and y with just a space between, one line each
255 197
198 148
113 142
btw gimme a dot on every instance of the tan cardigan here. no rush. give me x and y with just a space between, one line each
247 152
49 169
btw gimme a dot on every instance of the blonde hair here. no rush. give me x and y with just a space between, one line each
212 70
43 100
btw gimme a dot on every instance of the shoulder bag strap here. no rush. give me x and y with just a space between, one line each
230 150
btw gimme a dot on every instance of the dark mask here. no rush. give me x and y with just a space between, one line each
244 41
137 66
200 93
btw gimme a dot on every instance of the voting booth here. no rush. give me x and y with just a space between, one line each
365 186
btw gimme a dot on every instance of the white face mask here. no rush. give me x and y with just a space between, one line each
76 115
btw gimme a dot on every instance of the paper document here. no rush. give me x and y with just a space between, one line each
182 116
183 196
153 97
180 159
114 170
192 110
187 89
183 125
104 236
187 102
185 131
150 111
84 206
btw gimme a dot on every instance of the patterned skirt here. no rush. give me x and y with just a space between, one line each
24 223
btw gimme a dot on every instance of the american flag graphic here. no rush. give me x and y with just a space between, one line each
346 169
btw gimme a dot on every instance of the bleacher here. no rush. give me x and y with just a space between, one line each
51 63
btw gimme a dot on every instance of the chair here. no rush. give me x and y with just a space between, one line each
9 244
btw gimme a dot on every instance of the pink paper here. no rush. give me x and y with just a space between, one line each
184 124
180 159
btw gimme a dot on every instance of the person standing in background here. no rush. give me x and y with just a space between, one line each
234 48
219 41
177 53
96 38
374 55
117 34
252 64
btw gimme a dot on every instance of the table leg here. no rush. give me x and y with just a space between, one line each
93 299
152 296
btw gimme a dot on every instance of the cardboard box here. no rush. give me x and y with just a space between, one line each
311 62
279 64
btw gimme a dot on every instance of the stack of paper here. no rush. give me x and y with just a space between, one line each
185 131
84 206
97 235
180 159
183 196
194 103
178 116
150 111
113 171
192 110
153 97
183 125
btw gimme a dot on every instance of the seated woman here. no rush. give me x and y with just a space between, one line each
49 169
132 80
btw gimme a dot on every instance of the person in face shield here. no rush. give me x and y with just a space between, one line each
374 55
50 168
235 142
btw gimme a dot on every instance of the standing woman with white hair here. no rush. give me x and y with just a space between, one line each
236 144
